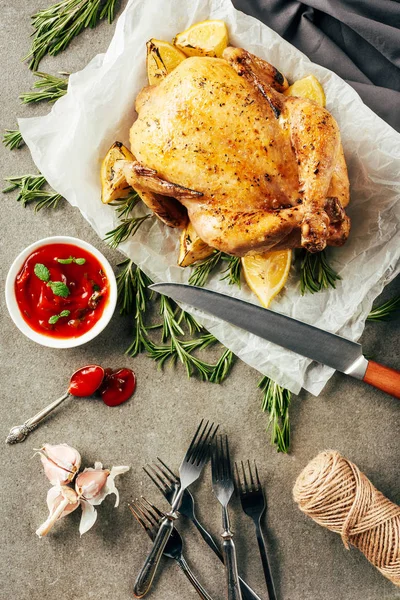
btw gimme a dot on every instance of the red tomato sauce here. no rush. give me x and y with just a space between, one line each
83 299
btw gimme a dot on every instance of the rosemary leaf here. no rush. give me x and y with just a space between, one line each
129 224
276 401
126 229
134 298
386 311
48 87
56 26
203 270
315 273
233 270
223 367
30 190
12 139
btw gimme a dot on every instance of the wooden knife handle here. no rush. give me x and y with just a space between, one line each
383 378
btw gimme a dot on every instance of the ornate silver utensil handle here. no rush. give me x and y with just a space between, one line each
20 432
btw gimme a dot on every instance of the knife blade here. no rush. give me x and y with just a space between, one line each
321 346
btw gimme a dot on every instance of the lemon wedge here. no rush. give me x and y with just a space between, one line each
113 181
267 273
207 38
162 58
308 87
192 248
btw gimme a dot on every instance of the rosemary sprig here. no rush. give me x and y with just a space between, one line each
233 270
386 311
12 139
276 401
134 298
203 269
315 273
129 224
56 26
49 88
30 190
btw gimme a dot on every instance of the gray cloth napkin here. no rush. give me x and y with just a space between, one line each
357 39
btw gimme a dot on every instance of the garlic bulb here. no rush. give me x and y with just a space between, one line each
60 462
61 501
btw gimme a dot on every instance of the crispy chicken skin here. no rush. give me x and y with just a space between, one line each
254 170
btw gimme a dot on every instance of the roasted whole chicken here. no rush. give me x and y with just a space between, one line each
254 170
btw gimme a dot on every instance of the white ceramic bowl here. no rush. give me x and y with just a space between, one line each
46 340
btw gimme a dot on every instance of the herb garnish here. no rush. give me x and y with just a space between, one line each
59 288
12 139
64 313
386 311
57 25
316 273
71 259
50 88
30 190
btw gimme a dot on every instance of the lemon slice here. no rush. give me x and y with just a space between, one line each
192 248
308 87
162 58
266 274
207 38
113 181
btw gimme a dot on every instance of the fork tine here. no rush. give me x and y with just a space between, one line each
139 518
200 450
192 443
158 482
172 477
257 477
166 480
246 485
156 511
238 480
228 459
214 462
146 513
252 486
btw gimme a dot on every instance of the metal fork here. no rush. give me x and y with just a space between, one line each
167 482
223 487
149 517
190 470
254 504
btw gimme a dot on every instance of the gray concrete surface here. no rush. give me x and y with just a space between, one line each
308 562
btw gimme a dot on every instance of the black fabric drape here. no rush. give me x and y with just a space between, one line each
357 39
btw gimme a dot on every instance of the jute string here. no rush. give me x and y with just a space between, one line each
333 491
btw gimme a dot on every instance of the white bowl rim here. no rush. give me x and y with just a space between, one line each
46 340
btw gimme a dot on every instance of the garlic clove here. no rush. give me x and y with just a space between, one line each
96 488
61 501
90 482
89 516
60 462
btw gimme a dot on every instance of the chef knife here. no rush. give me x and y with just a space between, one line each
319 345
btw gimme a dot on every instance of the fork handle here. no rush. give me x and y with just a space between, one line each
232 575
193 579
247 592
146 575
265 563
207 537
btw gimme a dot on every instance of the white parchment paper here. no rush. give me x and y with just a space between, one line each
69 144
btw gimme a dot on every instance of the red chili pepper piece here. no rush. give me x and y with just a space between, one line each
118 386
84 382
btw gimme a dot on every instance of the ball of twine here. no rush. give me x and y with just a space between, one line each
333 491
